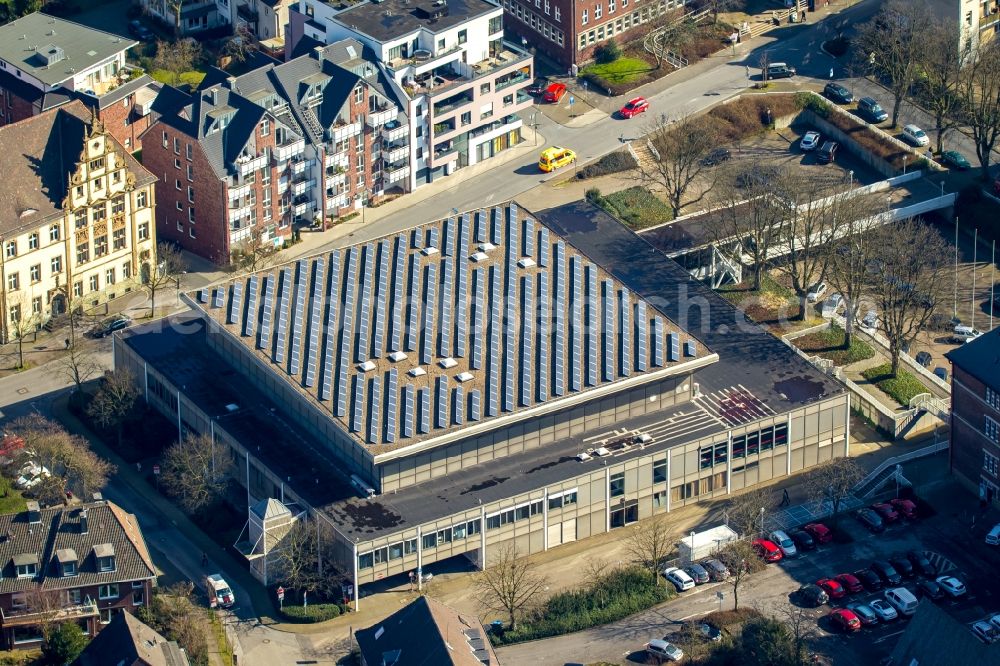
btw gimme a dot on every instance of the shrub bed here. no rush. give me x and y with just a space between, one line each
636 207
616 162
708 38
829 344
901 388
731 618
613 596
747 116
312 613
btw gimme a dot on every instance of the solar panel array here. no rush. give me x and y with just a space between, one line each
347 325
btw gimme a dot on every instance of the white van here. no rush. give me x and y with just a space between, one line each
963 334
786 545
993 538
902 600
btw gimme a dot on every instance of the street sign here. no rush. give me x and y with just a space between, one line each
281 594
156 470
571 100
720 595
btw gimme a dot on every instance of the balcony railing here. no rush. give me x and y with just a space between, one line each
397 172
513 80
288 149
395 130
395 153
22 616
378 118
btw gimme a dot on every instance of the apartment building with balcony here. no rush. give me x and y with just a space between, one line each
568 31
266 19
76 218
978 20
82 564
975 415
246 158
194 16
47 62
464 85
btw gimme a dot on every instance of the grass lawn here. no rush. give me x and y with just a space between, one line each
192 78
11 500
636 207
624 70
900 388
829 344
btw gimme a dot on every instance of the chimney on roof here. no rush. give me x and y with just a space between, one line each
97 497
83 521
318 52
231 82
213 95
34 512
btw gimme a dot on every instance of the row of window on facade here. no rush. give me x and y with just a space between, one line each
56 267
537 23
80 217
97 184
992 398
612 28
465 530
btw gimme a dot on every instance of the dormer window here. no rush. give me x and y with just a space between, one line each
105 555
26 565
67 559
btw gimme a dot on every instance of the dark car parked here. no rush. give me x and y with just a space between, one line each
871 520
869 579
697 572
838 93
928 588
110 325
886 572
921 563
802 540
902 565
717 156
811 595
870 109
137 29
924 358
827 152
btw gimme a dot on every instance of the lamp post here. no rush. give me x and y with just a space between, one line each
762 521
534 125
850 175
904 164
692 547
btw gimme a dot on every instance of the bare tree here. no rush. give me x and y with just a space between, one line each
979 92
77 365
21 322
670 37
742 561
163 272
172 612
45 606
241 44
68 458
802 625
114 401
721 6
255 253
177 57
679 150
892 44
177 7
908 279
834 482
748 225
744 510
851 254
298 558
195 473
941 67
650 543
510 585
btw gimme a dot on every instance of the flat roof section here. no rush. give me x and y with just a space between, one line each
750 358
176 347
980 358
386 20
448 328
52 49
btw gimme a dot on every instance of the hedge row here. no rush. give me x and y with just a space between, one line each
616 595
313 612
616 162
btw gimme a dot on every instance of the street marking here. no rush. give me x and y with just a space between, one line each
887 637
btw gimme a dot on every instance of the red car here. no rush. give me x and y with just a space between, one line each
905 507
554 92
849 583
820 532
634 107
887 512
832 588
844 619
767 550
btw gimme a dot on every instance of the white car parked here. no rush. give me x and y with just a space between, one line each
816 292
985 631
831 305
884 611
783 542
915 135
952 586
809 141
663 650
679 578
31 475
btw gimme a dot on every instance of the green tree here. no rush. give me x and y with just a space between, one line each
64 644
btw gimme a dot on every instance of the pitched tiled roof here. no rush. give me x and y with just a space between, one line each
40 153
59 529
426 632
127 640
934 637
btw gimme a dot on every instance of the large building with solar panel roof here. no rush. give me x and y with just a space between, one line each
492 377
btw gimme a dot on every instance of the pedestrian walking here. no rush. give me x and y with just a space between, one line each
138 467
803 16
831 72
67 343
785 501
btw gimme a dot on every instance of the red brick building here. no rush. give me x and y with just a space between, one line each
81 564
244 159
975 414
568 31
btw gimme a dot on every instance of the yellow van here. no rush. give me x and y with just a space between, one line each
555 157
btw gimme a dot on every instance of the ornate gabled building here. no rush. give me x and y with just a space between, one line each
76 218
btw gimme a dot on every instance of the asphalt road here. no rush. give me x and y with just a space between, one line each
946 537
